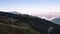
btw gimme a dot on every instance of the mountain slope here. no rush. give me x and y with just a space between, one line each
56 21
26 21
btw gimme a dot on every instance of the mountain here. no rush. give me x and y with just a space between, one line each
56 21
49 16
13 24
34 23
9 21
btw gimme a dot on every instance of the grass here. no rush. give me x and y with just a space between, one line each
6 29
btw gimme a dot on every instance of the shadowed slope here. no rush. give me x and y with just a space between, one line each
22 20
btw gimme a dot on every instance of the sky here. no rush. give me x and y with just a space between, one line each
32 7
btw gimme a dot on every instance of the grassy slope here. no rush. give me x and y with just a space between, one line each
6 29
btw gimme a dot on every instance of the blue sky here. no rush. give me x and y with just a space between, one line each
30 6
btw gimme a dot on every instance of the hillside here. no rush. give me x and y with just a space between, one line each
9 29
23 23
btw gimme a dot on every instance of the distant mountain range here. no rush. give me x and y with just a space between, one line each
50 16
56 21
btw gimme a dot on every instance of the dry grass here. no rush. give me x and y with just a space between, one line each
6 29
